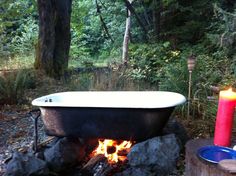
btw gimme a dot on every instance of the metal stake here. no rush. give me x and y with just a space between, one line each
189 93
191 65
35 114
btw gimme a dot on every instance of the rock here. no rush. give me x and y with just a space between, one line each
158 155
135 172
25 165
66 153
173 126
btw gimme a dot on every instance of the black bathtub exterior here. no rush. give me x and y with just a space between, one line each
106 123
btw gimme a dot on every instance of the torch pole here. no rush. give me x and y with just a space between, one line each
189 93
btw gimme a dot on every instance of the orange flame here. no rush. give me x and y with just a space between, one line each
113 150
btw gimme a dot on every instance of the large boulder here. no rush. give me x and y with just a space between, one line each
157 156
26 164
173 126
65 153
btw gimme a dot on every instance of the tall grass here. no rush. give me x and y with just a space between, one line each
17 62
14 84
105 79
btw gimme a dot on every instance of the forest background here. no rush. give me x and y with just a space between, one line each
163 35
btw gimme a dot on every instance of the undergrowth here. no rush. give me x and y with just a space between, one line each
14 84
160 63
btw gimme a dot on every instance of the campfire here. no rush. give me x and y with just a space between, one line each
113 150
73 156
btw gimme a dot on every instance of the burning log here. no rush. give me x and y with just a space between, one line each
97 165
102 169
112 150
93 161
107 158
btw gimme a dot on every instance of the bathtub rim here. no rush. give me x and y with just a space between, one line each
172 99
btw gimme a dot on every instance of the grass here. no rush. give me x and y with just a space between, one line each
80 64
96 62
17 62
27 62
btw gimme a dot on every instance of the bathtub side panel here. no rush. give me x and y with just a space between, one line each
110 123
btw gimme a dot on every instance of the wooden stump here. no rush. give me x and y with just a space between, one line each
195 166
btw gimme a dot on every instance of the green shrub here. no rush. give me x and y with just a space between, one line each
211 69
160 63
13 86
147 60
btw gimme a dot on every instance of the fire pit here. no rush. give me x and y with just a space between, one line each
108 115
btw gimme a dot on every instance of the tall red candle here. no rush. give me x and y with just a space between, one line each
224 118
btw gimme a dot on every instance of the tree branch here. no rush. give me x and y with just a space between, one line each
132 10
102 21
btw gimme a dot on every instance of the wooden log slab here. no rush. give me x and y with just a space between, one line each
194 166
228 164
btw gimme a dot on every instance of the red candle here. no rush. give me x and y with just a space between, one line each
224 118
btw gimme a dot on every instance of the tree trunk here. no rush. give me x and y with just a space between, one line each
52 51
156 14
132 10
126 37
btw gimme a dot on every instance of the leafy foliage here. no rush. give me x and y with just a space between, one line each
88 36
187 21
148 63
18 28
161 63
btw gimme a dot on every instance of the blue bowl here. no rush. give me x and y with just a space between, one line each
215 154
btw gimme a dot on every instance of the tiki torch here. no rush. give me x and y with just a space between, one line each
191 64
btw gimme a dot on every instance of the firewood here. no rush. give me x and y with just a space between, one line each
40 145
93 161
102 169
97 165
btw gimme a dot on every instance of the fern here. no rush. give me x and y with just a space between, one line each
13 86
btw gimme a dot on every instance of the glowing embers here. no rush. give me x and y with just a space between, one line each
113 150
